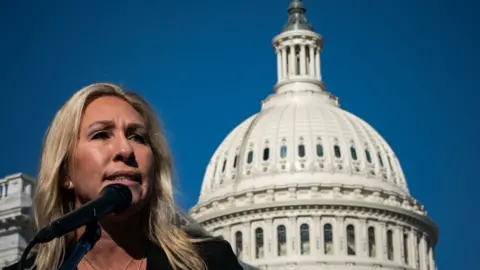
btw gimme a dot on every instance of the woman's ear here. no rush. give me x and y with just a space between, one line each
67 183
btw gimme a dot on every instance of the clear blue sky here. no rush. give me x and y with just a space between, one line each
409 68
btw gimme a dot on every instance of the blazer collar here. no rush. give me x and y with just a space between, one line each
157 259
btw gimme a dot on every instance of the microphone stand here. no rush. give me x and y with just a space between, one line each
85 244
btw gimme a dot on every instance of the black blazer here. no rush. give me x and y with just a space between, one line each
216 253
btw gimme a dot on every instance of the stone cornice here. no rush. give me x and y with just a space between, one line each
361 210
328 193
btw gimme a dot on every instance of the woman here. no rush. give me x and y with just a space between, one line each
105 135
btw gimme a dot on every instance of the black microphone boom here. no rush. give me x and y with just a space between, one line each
114 198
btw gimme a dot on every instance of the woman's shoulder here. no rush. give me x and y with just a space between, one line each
217 253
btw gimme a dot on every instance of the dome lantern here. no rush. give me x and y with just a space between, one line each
298 50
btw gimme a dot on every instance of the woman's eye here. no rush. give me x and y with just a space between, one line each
100 135
138 138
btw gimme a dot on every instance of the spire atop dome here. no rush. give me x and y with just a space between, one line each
297 19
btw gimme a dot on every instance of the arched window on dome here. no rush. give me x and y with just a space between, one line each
238 244
224 165
328 239
304 239
266 153
319 150
372 248
380 160
336 149
353 152
283 151
215 169
351 250
259 250
235 160
250 157
390 245
367 155
301 150
281 241
405 247
390 163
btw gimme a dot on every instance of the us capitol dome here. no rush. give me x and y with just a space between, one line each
305 184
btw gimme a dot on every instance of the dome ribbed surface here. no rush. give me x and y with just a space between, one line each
300 132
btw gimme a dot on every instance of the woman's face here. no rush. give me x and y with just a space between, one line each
112 148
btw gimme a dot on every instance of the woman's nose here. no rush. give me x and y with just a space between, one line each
123 150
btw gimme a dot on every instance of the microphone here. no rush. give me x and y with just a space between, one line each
114 198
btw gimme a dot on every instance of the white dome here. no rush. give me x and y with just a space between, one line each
306 185
338 148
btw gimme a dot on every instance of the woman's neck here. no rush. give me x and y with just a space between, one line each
121 242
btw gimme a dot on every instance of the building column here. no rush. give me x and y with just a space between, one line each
247 243
397 244
284 63
362 242
315 245
303 57
339 237
268 238
311 61
227 231
430 257
279 64
317 64
412 239
291 60
423 252
381 237
292 237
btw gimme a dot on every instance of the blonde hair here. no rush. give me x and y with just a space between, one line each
52 201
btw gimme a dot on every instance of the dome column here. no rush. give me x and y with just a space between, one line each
317 236
249 246
423 253
338 236
291 236
291 61
284 63
311 61
430 257
268 235
382 242
279 64
362 239
398 245
412 239
303 57
228 234
317 65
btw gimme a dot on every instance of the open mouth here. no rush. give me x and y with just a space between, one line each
124 177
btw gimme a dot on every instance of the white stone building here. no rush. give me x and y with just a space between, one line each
304 184
16 193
